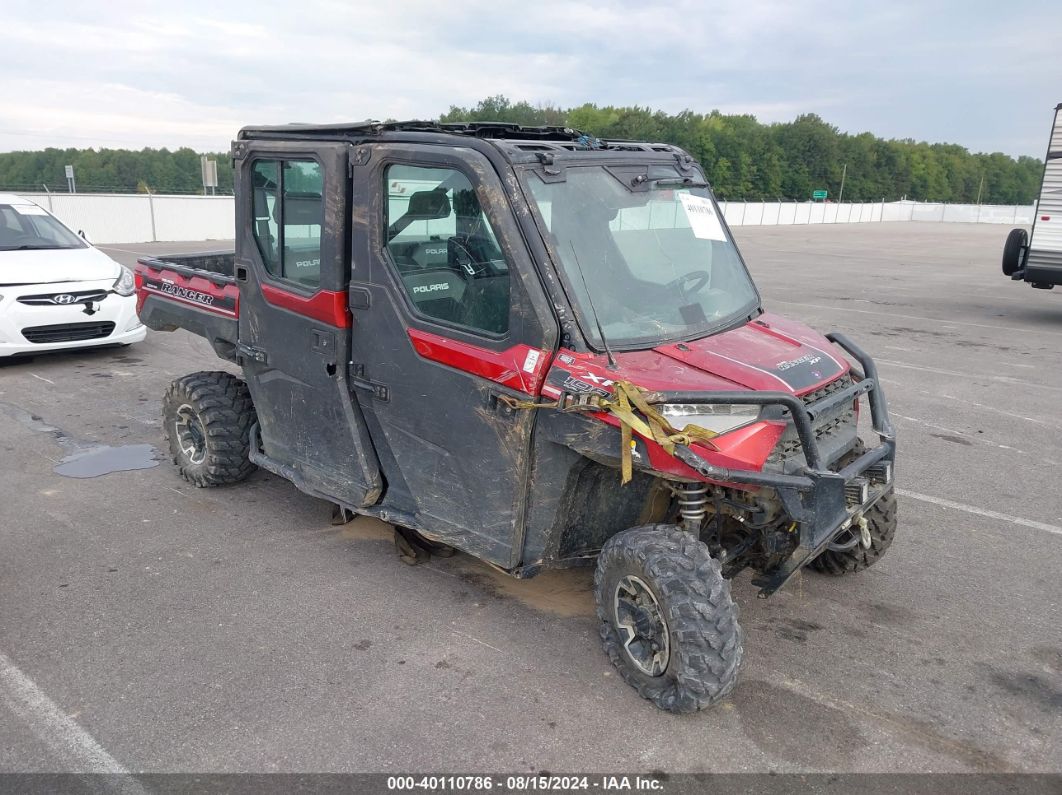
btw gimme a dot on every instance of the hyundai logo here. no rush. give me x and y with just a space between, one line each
64 298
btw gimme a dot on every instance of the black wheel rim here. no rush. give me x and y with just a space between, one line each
642 626
191 435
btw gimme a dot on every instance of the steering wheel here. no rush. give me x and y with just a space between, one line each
468 263
462 258
691 282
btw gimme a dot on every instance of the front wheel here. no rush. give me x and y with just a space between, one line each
881 529
208 418
667 620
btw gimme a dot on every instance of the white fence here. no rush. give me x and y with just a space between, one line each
789 213
141 218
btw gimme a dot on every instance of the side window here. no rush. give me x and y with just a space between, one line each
287 205
444 248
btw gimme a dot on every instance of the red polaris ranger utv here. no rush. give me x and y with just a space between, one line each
539 348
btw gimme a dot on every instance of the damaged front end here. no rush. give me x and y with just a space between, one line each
769 489
807 499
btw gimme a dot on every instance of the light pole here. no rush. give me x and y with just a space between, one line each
844 173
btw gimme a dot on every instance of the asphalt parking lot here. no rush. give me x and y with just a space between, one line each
237 630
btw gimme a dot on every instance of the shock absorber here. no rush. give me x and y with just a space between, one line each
692 504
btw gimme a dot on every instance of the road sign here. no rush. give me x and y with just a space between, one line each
209 169
71 186
819 195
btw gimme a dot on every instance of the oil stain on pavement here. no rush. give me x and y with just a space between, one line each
767 710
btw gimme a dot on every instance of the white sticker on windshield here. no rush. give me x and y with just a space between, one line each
28 209
704 220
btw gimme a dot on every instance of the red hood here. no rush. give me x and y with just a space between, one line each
767 354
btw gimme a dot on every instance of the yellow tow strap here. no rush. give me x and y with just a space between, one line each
629 405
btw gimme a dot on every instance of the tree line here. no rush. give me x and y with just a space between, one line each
744 158
111 170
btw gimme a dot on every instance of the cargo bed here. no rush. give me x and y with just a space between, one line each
196 292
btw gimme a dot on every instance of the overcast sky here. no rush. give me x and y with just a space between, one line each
985 75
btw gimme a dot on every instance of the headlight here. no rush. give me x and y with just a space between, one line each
125 284
718 417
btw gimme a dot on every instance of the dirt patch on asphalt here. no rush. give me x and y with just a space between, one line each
563 592
365 528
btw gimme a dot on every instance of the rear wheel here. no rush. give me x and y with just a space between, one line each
1017 242
667 620
208 418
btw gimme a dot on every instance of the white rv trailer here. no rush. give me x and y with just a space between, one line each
1037 259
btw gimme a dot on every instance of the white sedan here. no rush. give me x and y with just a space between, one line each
56 290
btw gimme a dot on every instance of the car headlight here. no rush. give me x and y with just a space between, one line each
718 417
125 284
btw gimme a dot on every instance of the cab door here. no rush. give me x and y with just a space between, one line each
294 323
450 319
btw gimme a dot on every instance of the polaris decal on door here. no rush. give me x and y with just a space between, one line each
431 288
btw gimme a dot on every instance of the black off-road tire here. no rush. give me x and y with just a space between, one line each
208 417
881 522
704 639
1017 240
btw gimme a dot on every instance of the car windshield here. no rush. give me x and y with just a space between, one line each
27 227
644 250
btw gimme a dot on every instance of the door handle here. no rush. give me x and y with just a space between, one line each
357 379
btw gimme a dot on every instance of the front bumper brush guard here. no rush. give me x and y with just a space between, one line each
816 498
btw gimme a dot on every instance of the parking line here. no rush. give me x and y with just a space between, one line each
55 728
937 321
970 439
1002 379
958 506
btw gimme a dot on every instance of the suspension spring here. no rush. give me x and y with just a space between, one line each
692 504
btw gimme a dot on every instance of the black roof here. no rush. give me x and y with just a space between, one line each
487 129
514 138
